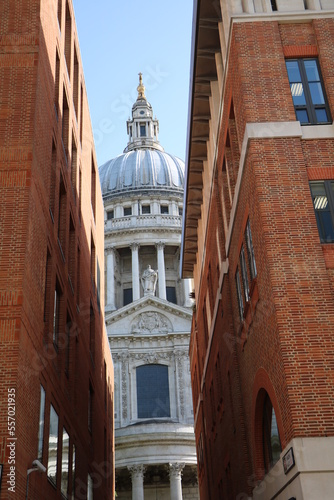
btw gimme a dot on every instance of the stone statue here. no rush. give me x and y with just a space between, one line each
149 280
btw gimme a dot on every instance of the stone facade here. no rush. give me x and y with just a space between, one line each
148 316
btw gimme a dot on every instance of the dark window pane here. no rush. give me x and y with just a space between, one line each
127 210
153 391
302 116
41 425
322 211
244 273
297 92
316 93
293 71
164 209
110 214
171 294
325 225
142 131
321 115
146 209
311 69
127 296
239 295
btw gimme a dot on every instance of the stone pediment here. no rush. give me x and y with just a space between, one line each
149 315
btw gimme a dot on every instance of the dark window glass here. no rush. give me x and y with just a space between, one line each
307 91
127 296
153 391
302 116
127 211
142 131
273 5
145 209
244 273
250 251
239 294
171 294
41 425
56 315
110 215
180 211
323 201
271 440
164 209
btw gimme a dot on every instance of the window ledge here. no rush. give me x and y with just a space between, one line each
317 131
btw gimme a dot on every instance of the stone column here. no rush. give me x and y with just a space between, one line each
161 270
135 271
175 472
137 477
110 251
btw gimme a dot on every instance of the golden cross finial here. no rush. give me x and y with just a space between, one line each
141 87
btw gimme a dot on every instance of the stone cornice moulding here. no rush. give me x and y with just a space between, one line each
138 305
282 16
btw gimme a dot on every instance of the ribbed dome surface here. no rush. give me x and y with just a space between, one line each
142 169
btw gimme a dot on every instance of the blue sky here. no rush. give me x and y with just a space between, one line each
118 39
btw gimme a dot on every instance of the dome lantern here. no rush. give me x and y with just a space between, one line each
144 166
142 128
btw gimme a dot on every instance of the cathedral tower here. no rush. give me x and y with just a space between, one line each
148 314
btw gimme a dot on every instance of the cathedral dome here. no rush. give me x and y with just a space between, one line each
144 165
142 170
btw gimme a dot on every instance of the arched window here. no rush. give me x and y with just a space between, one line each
152 391
271 440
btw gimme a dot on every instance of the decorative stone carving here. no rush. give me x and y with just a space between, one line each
151 322
149 280
154 356
124 389
175 470
137 470
181 388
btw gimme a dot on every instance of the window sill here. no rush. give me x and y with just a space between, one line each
319 131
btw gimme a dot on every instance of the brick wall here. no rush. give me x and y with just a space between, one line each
44 250
283 345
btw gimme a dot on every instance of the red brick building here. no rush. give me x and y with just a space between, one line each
56 395
258 239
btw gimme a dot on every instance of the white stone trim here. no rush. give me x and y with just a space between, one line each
318 131
311 477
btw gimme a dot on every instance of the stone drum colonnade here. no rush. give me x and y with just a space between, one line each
175 477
